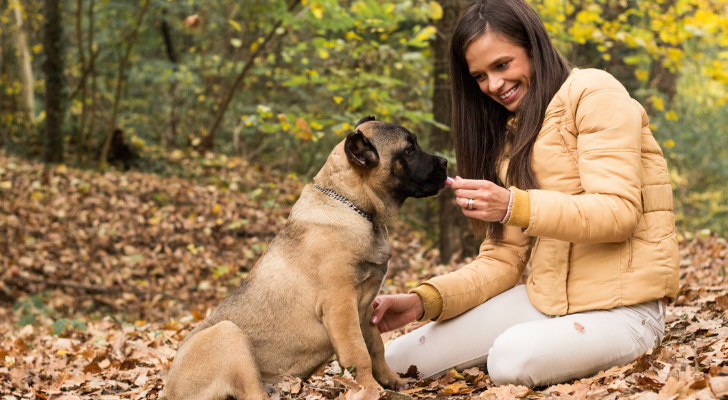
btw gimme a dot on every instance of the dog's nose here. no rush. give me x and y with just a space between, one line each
443 162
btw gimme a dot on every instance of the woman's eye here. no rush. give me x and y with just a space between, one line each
503 65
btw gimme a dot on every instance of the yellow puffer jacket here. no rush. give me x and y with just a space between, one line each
602 216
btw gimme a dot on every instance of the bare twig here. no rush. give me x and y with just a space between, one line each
208 142
21 281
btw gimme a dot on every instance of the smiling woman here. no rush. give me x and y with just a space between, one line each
565 157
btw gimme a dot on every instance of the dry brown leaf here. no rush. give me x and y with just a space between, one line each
719 385
193 21
369 393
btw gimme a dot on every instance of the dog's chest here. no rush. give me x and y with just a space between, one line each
374 257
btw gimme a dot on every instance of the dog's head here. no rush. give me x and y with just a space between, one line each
388 154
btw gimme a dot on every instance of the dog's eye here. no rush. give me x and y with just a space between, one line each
409 150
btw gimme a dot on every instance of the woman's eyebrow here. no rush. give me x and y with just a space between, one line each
497 61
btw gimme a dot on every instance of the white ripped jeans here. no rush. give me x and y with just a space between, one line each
523 346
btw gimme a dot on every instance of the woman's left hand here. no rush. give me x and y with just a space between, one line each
489 201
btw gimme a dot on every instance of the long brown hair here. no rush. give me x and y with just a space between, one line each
479 123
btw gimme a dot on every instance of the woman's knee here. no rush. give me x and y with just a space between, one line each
512 361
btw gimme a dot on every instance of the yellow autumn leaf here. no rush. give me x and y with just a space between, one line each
253 46
317 9
671 115
235 25
435 11
316 125
641 74
338 99
351 36
669 143
323 54
658 103
216 209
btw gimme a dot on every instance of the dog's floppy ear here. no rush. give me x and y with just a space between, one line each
363 120
360 151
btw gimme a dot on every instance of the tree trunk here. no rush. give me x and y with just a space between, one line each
88 144
81 150
53 68
166 138
26 71
120 83
456 235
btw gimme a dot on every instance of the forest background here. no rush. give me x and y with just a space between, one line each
150 149
279 83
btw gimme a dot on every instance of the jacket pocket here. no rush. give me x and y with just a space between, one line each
549 274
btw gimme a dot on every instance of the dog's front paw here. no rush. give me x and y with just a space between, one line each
392 381
396 384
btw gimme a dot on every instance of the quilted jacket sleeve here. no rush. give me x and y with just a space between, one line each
608 125
496 269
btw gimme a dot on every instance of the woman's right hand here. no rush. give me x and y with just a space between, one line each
396 310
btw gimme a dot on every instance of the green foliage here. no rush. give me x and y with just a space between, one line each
331 62
35 309
696 147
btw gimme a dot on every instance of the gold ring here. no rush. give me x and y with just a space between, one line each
470 204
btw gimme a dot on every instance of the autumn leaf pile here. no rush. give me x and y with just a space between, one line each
103 274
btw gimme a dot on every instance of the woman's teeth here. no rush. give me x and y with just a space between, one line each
508 93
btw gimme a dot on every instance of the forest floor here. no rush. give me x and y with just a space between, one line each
102 275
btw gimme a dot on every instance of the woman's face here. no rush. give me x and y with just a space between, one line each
502 69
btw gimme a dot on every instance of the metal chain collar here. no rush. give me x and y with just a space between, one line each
344 200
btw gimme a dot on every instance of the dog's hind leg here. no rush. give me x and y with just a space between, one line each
215 363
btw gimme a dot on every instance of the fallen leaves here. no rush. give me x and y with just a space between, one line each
137 260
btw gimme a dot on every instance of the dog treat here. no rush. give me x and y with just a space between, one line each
449 181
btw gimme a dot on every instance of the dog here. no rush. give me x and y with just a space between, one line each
309 296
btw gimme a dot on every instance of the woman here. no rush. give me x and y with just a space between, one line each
589 202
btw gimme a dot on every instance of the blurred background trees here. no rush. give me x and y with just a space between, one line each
280 82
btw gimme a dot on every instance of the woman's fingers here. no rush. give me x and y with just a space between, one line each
471 184
381 305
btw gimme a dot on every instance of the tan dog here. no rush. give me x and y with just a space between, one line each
309 296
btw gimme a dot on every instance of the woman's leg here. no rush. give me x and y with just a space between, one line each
556 350
463 341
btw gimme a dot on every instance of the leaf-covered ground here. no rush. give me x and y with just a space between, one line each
101 276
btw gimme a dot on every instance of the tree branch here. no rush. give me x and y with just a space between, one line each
208 142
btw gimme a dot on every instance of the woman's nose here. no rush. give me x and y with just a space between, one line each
495 84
